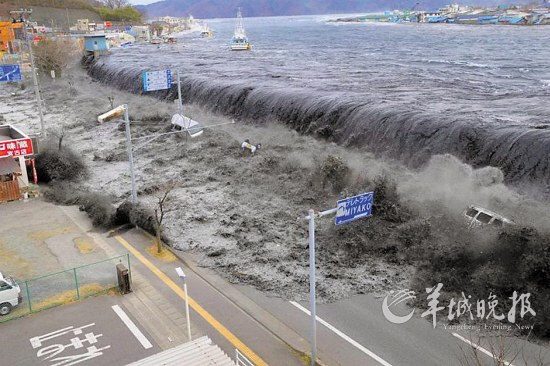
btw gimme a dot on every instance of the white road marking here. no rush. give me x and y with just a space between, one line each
344 336
481 349
133 328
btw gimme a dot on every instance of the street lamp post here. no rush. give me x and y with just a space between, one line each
130 153
130 149
180 273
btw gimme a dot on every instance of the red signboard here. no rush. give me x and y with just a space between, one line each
108 24
19 147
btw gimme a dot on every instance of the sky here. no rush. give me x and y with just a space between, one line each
142 2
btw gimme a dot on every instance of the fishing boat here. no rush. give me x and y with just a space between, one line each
206 31
239 42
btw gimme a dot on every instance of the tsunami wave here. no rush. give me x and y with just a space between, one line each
380 126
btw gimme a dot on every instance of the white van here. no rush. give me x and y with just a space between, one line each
182 123
478 216
10 294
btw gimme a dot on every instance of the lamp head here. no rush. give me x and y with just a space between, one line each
180 273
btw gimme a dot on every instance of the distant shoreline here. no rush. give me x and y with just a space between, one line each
529 17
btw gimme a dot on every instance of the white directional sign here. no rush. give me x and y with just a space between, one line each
156 80
353 208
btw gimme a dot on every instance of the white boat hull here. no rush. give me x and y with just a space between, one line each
240 47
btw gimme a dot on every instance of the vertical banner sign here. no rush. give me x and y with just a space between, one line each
156 80
10 73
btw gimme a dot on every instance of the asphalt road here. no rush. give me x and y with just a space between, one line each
218 317
353 332
356 328
88 332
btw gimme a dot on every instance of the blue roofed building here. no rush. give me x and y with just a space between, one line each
96 43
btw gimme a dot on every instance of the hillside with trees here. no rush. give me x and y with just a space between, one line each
68 11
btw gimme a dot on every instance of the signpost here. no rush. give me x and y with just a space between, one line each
347 210
354 208
156 80
10 73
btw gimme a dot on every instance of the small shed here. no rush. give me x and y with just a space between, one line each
14 147
93 43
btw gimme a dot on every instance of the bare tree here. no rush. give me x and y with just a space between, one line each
115 4
52 54
503 351
157 29
161 209
59 134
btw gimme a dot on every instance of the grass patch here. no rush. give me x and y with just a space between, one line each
62 298
165 255
42 235
84 244
12 263
67 297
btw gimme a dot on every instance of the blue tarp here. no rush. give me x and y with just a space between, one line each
511 20
437 19
489 19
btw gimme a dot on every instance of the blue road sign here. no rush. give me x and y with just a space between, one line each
354 208
156 80
10 73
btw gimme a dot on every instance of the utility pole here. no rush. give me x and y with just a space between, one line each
180 102
68 22
24 13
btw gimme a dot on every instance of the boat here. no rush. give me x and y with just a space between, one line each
240 42
169 39
206 31
156 40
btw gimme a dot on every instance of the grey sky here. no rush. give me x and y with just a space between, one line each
142 2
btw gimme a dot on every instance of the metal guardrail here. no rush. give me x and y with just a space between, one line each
63 287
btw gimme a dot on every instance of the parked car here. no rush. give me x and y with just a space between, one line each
479 216
10 294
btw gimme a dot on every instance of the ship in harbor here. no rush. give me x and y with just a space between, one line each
240 42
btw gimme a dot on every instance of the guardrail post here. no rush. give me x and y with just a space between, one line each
129 268
76 281
28 296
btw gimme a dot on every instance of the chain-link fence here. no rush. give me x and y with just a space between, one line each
70 285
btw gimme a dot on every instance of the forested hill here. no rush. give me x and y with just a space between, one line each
65 12
252 8
48 15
